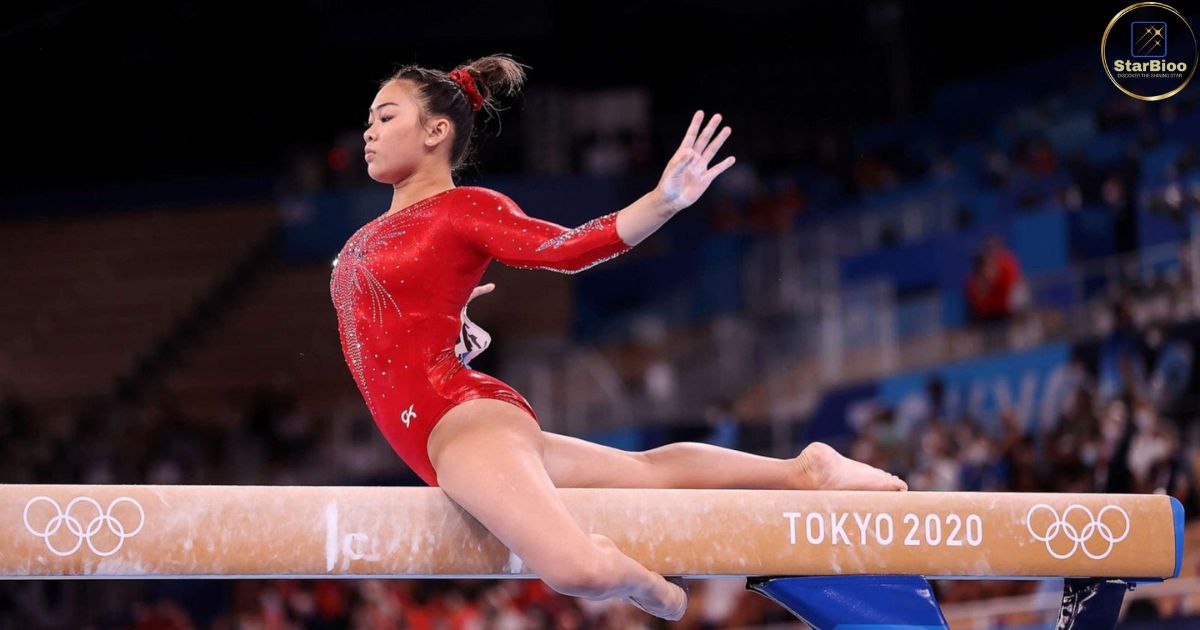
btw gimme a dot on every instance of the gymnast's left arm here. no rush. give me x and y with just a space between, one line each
496 225
684 180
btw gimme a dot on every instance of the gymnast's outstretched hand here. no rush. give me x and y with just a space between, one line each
687 175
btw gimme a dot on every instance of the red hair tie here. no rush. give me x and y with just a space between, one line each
467 83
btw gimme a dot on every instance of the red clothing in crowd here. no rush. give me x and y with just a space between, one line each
989 290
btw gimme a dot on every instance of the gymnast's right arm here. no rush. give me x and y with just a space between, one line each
493 224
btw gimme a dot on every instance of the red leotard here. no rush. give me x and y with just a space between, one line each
401 282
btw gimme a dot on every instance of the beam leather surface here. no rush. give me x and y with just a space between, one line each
196 530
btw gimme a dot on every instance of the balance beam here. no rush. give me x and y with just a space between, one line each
126 531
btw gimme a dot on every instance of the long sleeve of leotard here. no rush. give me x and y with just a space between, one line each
494 224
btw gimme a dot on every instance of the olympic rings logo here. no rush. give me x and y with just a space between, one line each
1094 528
103 520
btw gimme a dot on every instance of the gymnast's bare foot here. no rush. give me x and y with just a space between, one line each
823 468
672 607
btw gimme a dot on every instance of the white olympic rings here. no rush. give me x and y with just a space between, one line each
104 518
1080 537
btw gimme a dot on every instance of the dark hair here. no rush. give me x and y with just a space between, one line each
495 76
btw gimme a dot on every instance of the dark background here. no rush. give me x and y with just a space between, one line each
143 91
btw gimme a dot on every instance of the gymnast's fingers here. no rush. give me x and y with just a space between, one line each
689 138
707 134
719 168
715 146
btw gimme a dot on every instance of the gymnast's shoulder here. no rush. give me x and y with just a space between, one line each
483 196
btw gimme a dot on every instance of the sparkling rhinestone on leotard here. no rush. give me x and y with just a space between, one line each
597 224
399 288
352 275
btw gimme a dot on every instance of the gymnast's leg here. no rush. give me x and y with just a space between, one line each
575 463
488 458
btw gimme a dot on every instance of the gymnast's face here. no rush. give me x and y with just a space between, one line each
400 139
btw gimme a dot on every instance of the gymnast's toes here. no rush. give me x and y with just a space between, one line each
672 607
683 589
823 468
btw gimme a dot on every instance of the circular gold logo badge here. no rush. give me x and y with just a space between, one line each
1149 51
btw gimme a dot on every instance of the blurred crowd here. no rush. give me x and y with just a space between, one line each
1127 423
434 605
260 437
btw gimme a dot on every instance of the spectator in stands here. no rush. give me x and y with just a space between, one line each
980 471
1037 157
996 168
992 287
1075 445
1121 365
1116 195
937 463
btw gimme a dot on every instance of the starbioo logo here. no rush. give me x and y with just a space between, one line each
1148 39
99 522
1077 529
1157 57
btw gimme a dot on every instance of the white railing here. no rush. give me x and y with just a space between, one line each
573 389
867 312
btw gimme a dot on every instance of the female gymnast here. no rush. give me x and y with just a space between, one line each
400 287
